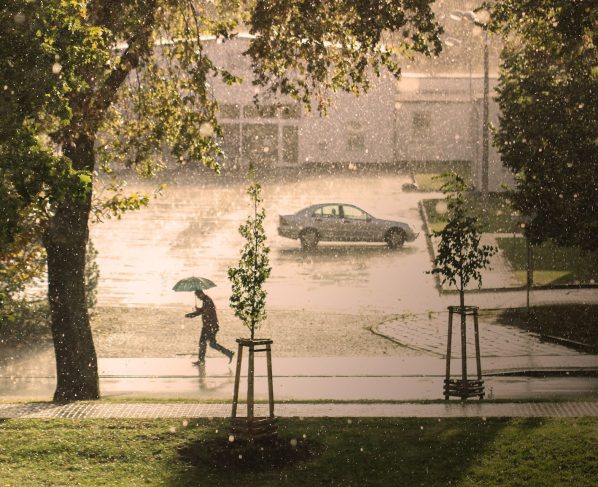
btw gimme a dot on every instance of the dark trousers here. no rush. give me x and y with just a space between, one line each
209 336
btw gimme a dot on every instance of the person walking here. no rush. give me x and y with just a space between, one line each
209 329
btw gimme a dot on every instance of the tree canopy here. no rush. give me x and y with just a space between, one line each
548 98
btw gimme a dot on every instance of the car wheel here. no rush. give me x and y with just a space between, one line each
395 238
309 239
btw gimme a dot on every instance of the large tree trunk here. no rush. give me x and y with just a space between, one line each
65 241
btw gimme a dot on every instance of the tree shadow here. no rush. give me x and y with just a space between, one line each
574 322
345 451
222 454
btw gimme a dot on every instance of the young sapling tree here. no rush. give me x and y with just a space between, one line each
248 298
459 260
460 257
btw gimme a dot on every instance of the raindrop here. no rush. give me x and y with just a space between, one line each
56 68
206 130
304 436
19 18
240 456
441 207
231 438
349 421
172 429
293 442
185 423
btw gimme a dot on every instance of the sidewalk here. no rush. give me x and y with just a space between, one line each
427 332
313 379
449 410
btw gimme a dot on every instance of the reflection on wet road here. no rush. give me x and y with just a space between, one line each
192 230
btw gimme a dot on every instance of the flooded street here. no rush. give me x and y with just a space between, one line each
193 230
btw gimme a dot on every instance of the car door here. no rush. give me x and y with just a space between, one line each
326 220
355 224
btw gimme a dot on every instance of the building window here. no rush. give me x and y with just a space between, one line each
261 111
231 142
422 123
356 142
290 111
290 143
260 144
230 110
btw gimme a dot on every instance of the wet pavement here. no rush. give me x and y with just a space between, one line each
350 289
157 410
193 230
428 332
314 378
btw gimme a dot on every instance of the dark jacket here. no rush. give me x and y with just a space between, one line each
208 315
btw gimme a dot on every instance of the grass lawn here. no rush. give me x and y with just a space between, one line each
343 452
552 264
577 322
495 213
428 181
432 181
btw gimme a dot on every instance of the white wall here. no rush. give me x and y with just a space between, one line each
356 130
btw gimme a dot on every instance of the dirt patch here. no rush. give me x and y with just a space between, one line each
221 454
165 332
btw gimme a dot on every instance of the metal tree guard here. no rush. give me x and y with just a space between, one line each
463 387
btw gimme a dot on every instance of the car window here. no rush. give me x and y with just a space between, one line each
328 211
353 213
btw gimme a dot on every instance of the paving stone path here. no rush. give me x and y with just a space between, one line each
301 410
428 332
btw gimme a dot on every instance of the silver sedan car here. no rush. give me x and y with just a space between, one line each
340 222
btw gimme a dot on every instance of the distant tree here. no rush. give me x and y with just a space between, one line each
460 256
548 98
90 83
248 298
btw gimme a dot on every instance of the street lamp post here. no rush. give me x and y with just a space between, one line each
471 17
486 123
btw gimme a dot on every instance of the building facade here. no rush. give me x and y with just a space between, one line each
420 120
